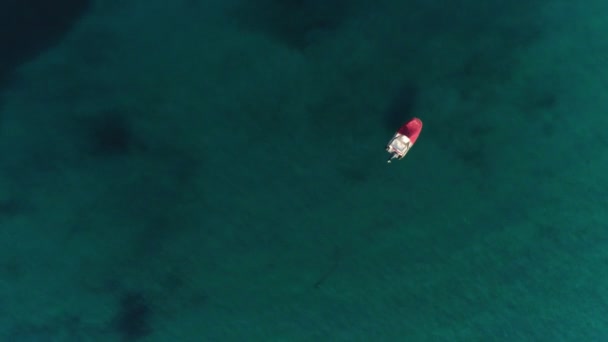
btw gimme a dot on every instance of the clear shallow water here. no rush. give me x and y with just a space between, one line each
216 171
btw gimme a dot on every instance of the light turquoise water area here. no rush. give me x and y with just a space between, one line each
215 171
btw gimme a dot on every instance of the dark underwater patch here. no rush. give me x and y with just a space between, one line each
132 318
401 107
296 23
13 207
110 134
28 28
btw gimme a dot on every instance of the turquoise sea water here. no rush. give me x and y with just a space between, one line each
215 171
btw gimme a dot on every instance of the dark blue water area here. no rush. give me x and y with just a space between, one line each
216 171
28 28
